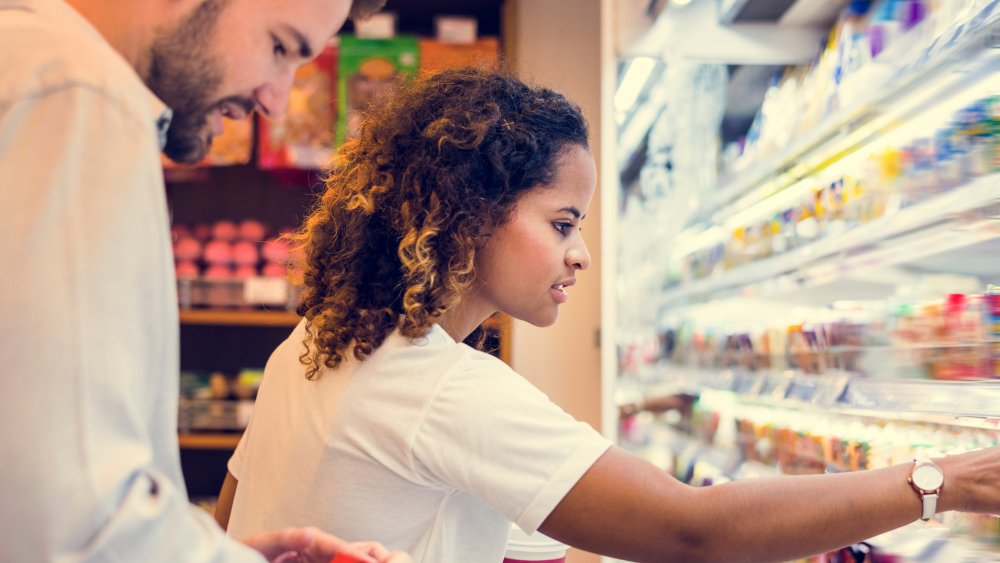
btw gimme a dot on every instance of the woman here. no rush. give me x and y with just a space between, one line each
465 196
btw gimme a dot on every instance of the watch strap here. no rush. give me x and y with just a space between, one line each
929 502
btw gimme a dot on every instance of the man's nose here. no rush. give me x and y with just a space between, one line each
272 97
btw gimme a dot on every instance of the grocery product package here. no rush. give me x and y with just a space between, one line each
368 69
437 55
303 138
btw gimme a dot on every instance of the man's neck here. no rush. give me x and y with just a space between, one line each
129 26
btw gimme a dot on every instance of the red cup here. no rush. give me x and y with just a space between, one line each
344 558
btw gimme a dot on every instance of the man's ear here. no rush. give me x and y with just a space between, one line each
176 10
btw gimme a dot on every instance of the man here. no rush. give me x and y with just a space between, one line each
88 321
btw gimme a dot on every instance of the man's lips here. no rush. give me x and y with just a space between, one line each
215 123
229 108
234 110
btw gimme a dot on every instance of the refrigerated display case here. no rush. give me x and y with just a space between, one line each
827 291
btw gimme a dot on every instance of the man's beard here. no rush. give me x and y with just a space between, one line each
184 76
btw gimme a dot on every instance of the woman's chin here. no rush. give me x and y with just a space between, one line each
541 322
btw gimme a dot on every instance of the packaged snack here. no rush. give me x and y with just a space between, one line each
234 146
370 68
303 139
436 55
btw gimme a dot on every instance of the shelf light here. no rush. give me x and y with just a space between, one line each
636 75
688 241
636 128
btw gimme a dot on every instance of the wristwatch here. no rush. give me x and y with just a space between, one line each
927 478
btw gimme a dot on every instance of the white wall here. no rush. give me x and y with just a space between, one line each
564 360
560 44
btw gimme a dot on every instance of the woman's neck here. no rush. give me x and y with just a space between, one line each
459 322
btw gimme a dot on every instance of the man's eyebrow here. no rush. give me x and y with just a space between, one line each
305 50
573 211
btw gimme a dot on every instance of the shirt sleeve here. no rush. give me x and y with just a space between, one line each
235 463
87 474
492 434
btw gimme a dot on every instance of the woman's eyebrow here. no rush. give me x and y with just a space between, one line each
573 211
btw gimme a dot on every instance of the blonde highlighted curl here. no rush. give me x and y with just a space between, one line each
437 166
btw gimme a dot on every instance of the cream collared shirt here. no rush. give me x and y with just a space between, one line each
89 465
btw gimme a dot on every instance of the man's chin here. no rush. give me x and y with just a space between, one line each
187 150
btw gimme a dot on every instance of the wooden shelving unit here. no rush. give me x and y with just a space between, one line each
207 441
236 317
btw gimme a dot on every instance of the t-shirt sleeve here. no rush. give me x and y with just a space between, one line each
235 464
492 434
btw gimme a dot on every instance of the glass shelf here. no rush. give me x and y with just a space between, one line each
878 397
950 220
897 85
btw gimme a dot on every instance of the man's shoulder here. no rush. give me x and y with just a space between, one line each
41 57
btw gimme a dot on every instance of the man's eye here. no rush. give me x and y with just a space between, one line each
279 49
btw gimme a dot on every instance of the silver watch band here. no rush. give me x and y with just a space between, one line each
930 506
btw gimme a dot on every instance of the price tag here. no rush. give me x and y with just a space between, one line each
944 44
831 390
775 386
265 291
984 15
801 390
724 380
748 384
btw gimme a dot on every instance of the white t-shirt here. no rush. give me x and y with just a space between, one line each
428 446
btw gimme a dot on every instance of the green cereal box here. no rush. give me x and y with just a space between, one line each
370 68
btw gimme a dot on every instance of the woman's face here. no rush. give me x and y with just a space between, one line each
527 265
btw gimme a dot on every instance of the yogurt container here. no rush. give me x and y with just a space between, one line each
533 548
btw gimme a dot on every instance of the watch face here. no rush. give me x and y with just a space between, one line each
927 477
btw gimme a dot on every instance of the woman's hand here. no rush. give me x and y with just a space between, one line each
311 545
971 481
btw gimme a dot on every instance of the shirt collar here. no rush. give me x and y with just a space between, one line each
163 115
59 10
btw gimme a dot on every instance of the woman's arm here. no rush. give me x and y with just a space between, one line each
225 505
627 508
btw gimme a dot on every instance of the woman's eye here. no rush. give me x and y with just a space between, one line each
563 228
279 48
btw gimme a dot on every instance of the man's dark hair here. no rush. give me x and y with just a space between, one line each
361 9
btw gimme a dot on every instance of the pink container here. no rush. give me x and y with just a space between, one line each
245 253
251 230
218 252
224 230
533 548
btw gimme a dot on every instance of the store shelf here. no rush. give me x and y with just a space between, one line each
897 85
851 275
218 441
940 223
227 317
880 397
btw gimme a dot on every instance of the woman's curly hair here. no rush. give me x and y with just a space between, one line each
437 166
